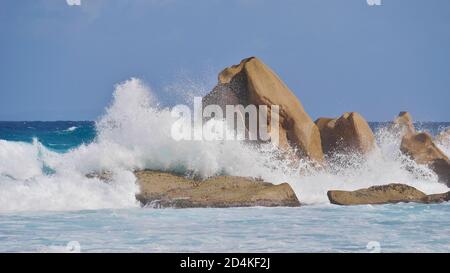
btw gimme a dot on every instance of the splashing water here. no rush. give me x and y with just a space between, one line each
444 142
134 133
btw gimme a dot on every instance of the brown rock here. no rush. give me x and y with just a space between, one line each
253 83
436 198
442 169
421 148
161 189
328 135
348 133
392 193
404 123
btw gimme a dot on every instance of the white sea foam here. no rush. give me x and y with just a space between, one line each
444 143
134 133
20 160
71 129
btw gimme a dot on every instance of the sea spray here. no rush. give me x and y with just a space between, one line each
135 133
444 142
19 160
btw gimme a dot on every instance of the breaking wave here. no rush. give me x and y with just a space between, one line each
444 143
71 129
134 133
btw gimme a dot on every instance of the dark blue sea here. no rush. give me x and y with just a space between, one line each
56 135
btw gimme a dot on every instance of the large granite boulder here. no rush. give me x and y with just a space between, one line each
348 133
385 194
404 123
328 136
159 189
253 83
421 148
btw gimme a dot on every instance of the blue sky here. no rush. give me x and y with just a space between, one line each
61 62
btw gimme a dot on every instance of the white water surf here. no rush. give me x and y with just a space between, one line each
134 133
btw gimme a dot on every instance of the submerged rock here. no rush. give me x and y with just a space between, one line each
160 189
385 194
421 148
105 176
253 83
348 133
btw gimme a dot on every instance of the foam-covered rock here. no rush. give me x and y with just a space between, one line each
444 137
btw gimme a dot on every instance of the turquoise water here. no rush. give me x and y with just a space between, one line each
325 228
64 135
47 204
58 135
